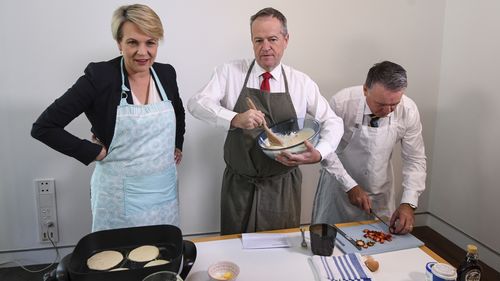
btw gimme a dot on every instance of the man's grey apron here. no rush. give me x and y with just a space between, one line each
258 193
366 157
136 183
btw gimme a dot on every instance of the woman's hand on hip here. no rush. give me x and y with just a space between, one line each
177 156
102 154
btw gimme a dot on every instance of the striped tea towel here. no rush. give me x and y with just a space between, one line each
348 267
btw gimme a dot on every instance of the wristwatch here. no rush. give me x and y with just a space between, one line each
413 207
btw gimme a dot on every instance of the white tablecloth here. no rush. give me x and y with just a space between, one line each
294 263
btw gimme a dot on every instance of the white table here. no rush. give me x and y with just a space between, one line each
294 263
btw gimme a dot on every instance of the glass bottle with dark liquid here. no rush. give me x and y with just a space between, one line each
470 270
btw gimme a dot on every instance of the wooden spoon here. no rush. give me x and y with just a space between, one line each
271 136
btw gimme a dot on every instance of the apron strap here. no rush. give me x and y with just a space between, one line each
257 179
125 89
248 73
286 80
361 112
124 95
250 70
157 80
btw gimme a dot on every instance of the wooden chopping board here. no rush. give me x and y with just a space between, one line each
399 242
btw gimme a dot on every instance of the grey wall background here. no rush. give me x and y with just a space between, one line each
465 191
449 49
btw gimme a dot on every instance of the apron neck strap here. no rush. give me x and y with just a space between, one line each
248 73
124 88
361 111
250 70
124 95
155 77
160 87
286 80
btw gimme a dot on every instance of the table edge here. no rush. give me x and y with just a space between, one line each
424 248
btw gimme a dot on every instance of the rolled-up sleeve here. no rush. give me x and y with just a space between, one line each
335 168
206 104
332 163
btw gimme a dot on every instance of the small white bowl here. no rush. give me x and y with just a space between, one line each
224 271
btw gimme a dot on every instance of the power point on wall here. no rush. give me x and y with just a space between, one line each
45 193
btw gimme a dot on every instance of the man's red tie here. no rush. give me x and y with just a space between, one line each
265 82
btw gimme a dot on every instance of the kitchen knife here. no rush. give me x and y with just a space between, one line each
348 238
380 219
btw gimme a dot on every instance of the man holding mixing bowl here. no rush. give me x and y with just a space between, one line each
259 193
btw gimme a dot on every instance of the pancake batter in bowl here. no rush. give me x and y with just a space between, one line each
291 139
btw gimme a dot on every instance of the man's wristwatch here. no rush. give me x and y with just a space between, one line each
413 207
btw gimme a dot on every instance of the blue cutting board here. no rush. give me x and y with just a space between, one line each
399 242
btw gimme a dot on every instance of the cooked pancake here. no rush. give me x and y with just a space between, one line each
104 260
156 262
144 253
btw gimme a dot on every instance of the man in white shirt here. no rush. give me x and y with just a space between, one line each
358 179
259 193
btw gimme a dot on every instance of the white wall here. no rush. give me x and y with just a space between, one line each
46 45
465 189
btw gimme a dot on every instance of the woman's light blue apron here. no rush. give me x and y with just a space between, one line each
136 184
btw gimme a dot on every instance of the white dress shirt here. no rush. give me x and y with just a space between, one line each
409 132
215 102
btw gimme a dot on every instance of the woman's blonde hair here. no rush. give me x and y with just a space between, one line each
141 15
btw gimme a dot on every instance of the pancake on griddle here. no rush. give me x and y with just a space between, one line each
144 253
104 260
156 262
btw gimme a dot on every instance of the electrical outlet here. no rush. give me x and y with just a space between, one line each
45 193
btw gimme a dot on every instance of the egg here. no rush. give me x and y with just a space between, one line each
227 275
372 264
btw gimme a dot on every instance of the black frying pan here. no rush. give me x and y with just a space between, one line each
167 238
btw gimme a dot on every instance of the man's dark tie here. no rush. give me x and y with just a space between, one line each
265 82
374 120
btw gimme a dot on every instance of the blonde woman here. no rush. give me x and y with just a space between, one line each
138 126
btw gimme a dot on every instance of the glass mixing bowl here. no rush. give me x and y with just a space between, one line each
290 132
